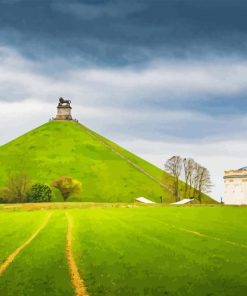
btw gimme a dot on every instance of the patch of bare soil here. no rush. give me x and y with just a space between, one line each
77 281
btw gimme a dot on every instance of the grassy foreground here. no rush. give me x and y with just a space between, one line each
127 250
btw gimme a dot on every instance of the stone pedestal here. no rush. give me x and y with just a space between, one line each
63 112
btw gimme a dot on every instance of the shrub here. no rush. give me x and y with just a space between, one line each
67 186
16 189
39 193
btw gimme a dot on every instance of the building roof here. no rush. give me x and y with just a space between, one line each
183 201
144 200
243 169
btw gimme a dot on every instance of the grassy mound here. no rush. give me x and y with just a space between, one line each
65 148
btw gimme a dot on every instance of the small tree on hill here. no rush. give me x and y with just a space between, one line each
67 186
195 179
39 193
204 183
188 166
174 167
17 188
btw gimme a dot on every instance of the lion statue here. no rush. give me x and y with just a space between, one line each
63 101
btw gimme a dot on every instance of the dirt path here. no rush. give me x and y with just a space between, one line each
78 284
139 168
11 258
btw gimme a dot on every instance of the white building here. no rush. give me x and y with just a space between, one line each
235 187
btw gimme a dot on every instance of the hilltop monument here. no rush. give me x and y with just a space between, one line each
63 110
235 187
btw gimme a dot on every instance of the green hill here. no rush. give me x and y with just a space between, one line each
66 148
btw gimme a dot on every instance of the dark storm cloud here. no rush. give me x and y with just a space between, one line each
119 32
86 10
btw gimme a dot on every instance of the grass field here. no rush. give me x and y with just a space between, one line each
126 250
66 148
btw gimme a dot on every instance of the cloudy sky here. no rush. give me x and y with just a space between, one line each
160 77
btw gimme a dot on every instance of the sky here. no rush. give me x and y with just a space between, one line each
159 77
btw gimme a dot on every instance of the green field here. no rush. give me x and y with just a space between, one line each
67 148
126 250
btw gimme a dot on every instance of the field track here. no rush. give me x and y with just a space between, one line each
77 282
11 258
212 237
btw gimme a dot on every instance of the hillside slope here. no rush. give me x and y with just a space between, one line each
65 148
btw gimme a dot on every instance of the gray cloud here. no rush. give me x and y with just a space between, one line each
93 10
122 32
162 100
9 1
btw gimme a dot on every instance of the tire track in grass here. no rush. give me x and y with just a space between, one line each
12 256
200 234
211 237
78 284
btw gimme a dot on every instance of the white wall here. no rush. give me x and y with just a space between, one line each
235 191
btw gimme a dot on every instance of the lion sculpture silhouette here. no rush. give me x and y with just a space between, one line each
62 101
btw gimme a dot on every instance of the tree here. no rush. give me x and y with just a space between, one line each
39 193
191 179
67 186
188 165
17 188
195 179
204 182
174 167
201 181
